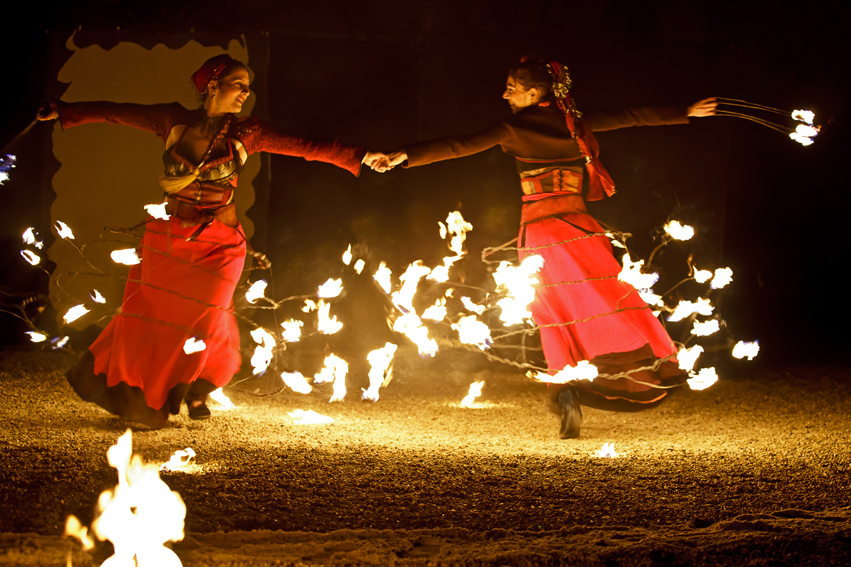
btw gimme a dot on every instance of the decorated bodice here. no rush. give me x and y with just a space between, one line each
222 169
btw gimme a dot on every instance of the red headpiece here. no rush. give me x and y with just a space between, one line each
210 71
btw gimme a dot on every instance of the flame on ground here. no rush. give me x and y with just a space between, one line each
221 400
180 459
379 371
296 382
309 417
703 379
474 392
608 451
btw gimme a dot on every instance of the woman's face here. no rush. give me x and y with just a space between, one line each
231 91
517 96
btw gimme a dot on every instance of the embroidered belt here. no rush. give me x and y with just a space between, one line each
550 180
543 206
192 215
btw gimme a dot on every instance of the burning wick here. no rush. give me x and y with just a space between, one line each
126 256
379 372
193 345
37 337
347 255
309 417
180 459
29 237
63 230
256 291
30 257
608 450
75 313
679 231
743 349
475 391
703 379
97 297
331 288
157 211
359 265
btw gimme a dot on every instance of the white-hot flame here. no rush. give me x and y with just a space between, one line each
59 342
296 382
158 211
126 256
347 255
687 357
615 241
474 392
806 116
327 324
519 284
650 298
471 331
470 306
359 265
256 291
679 231
74 528
309 305
97 297
63 230
723 276
180 459
30 257
221 400
608 451
441 273
702 276
193 345
75 313
382 277
411 326
292 330
703 379
331 288
686 308
746 349
334 368
37 337
404 297
705 328
29 237
458 228
583 370
631 274
309 417
379 371
436 312
263 352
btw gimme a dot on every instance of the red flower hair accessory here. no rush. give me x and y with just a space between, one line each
210 71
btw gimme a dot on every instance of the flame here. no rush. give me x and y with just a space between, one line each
63 230
615 241
441 273
335 369
296 382
29 237
30 257
309 305
723 276
74 528
703 379
631 274
803 140
471 331
806 116
75 313
686 308
382 277
139 515
347 255
222 400
309 417
651 298
458 228
411 326
583 370
359 266
706 328
410 280
263 352
58 342
331 288
126 256
687 357
326 324
679 231
97 297
470 306
158 211
292 330
702 276
180 459
608 451
192 345
256 291
436 312
519 284
379 373
339 391
37 337
745 349
474 392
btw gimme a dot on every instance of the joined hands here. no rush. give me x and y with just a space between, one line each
381 162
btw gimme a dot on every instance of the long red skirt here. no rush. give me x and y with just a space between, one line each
620 332
182 289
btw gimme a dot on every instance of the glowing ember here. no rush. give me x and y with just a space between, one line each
30 257
263 352
474 392
222 401
139 515
583 370
292 330
436 312
97 297
256 291
687 357
703 379
37 337
806 116
347 255
331 288
327 324
471 331
470 306
192 345
723 276
411 326
127 256
519 282
706 328
608 451
382 277
686 308
63 230
158 211
744 349
29 237
180 459
379 362
75 313
359 266
679 231
631 274
335 367
702 276
309 417
296 382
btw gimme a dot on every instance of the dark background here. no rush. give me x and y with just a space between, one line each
381 74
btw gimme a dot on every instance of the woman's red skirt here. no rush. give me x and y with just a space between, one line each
183 288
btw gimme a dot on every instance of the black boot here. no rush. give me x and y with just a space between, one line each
571 413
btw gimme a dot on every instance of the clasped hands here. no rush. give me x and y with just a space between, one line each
381 162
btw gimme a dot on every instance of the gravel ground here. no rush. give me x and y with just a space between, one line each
754 471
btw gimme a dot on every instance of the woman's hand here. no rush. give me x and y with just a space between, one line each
397 157
378 161
703 108
49 110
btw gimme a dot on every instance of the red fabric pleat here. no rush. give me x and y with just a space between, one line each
181 289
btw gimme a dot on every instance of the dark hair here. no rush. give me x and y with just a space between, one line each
214 69
532 72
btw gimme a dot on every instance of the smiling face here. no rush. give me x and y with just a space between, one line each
228 94
518 96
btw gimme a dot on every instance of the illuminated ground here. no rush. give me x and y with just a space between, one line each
755 470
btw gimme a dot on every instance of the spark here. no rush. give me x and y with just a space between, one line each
158 211
178 460
75 313
679 231
126 256
746 349
379 371
331 288
256 291
30 257
296 382
723 276
703 379
63 230
474 392
97 297
37 337
704 329
292 330
309 417
193 345
347 255
687 357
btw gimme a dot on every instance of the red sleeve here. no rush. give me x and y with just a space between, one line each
156 118
601 120
259 136
422 153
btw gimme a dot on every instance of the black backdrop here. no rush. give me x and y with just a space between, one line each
381 74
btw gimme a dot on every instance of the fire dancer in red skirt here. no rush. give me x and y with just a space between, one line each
191 263
556 156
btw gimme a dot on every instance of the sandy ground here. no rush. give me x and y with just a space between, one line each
754 471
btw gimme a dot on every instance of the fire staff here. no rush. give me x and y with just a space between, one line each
557 159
